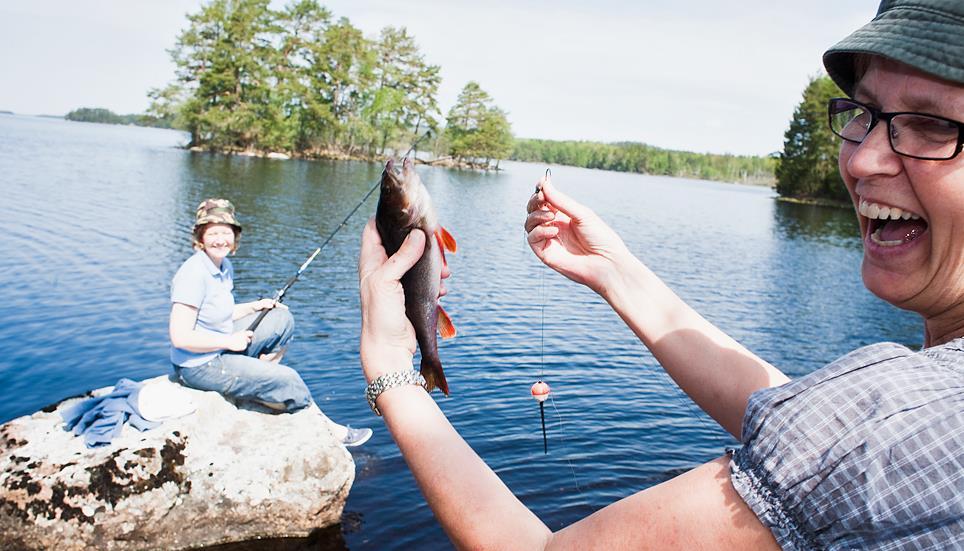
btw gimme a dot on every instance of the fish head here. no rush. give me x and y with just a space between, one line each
402 193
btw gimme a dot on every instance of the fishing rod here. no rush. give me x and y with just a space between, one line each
280 294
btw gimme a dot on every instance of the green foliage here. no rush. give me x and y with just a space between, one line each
404 101
253 78
646 159
807 167
97 114
225 56
477 130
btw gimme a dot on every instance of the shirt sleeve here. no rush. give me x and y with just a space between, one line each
187 287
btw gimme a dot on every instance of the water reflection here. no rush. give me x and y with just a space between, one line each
834 226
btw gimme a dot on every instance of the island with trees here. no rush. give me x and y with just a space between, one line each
295 81
105 116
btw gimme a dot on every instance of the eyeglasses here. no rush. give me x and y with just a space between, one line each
915 135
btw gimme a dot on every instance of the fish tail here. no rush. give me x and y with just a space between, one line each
431 369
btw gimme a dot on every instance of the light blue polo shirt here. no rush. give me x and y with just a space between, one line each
199 283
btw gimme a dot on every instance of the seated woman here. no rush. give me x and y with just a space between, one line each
211 348
865 453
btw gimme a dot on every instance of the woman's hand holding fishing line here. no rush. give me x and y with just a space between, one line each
387 337
571 239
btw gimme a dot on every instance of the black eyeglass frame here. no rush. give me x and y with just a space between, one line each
877 116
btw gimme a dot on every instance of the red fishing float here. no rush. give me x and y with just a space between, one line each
540 391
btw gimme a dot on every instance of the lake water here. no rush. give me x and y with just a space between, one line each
95 219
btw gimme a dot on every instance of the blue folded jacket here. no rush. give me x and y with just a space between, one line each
102 418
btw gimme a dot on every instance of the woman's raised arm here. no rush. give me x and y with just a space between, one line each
717 372
697 510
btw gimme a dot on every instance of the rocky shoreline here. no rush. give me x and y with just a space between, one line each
336 155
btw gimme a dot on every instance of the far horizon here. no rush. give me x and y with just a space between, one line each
700 77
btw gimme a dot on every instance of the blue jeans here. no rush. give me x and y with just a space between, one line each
243 377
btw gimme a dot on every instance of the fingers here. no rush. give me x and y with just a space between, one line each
537 218
574 209
541 233
249 335
372 253
407 255
537 201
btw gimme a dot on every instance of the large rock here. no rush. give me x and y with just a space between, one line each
218 475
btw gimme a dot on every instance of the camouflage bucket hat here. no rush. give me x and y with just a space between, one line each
216 211
927 35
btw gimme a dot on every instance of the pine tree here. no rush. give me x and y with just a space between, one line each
808 165
225 57
477 130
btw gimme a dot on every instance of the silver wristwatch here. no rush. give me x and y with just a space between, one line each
391 380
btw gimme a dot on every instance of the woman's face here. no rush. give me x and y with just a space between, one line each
218 241
916 264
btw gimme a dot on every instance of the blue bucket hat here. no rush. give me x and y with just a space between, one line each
927 35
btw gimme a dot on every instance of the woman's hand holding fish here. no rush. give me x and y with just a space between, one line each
387 337
571 239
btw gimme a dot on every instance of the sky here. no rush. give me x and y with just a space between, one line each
695 75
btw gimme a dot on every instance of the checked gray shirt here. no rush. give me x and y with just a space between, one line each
865 453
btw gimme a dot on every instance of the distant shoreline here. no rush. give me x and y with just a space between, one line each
817 201
445 161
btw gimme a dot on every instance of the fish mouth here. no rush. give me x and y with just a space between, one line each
890 226
391 175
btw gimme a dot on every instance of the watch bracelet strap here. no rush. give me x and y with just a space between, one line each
389 381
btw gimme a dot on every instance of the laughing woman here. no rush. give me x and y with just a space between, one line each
865 453
211 348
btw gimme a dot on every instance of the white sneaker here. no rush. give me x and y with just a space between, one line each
356 437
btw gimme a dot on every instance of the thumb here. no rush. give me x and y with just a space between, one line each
559 200
407 255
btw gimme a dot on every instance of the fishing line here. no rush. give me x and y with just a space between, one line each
542 393
367 195
562 430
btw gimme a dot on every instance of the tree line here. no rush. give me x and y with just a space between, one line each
106 116
647 159
298 80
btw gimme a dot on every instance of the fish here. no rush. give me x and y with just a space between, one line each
404 205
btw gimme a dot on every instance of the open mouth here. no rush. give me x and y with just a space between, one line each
890 226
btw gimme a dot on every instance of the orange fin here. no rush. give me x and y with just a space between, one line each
441 249
445 327
446 239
